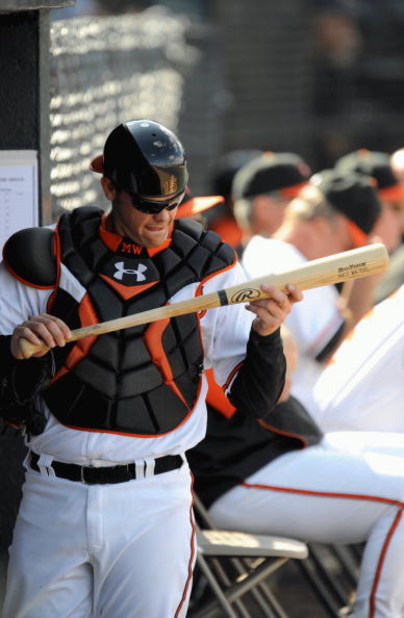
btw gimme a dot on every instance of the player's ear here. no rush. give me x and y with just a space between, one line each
109 188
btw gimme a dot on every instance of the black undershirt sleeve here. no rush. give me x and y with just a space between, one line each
20 381
260 380
5 354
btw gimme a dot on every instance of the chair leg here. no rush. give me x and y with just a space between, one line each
263 597
221 597
240 588
332 583
319 589
277 610
348 562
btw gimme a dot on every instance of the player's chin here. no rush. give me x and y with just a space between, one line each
154 237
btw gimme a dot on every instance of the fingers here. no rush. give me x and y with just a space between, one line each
273 311
294 294
40 329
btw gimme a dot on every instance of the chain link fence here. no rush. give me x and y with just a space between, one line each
106 70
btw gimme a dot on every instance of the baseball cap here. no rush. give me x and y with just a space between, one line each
227 166
192 205
353 195
283 172
375 164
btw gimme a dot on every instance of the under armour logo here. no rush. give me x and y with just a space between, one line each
121 271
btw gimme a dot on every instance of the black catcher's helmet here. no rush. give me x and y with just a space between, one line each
146 159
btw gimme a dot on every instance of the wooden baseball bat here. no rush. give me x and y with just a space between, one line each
335 268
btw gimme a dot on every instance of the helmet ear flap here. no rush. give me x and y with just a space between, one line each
145 158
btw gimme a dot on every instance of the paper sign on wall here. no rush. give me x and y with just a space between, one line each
18 191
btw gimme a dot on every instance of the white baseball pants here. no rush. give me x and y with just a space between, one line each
347 489
118 551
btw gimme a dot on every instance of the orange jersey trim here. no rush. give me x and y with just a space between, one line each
113 242
231 376
280 432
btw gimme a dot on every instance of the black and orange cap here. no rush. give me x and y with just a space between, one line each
375 164
283 172
352 194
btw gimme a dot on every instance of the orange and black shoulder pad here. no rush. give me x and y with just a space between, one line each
29 256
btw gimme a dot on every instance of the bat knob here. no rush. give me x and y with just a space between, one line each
29 349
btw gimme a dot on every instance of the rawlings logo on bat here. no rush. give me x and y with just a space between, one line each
245 294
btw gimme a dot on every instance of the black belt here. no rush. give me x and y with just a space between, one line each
100 476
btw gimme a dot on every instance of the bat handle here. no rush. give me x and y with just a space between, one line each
29 349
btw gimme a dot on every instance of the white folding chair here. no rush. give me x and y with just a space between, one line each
235 564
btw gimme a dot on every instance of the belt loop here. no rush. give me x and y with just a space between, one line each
140 468
45 465
149 467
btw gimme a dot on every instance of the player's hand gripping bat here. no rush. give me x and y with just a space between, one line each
335 268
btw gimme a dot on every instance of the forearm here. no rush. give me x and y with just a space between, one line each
260 379
361 299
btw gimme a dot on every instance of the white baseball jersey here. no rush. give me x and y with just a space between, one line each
225 332
122 549
313 322
362 388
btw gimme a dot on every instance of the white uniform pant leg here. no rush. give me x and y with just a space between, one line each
120 551
49 573
348 489
146 570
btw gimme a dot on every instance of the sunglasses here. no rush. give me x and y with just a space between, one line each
152 207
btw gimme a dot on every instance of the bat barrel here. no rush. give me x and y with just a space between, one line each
335 268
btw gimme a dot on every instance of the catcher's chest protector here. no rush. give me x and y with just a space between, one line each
143 380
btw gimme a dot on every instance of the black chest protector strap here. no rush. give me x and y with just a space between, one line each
143 380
